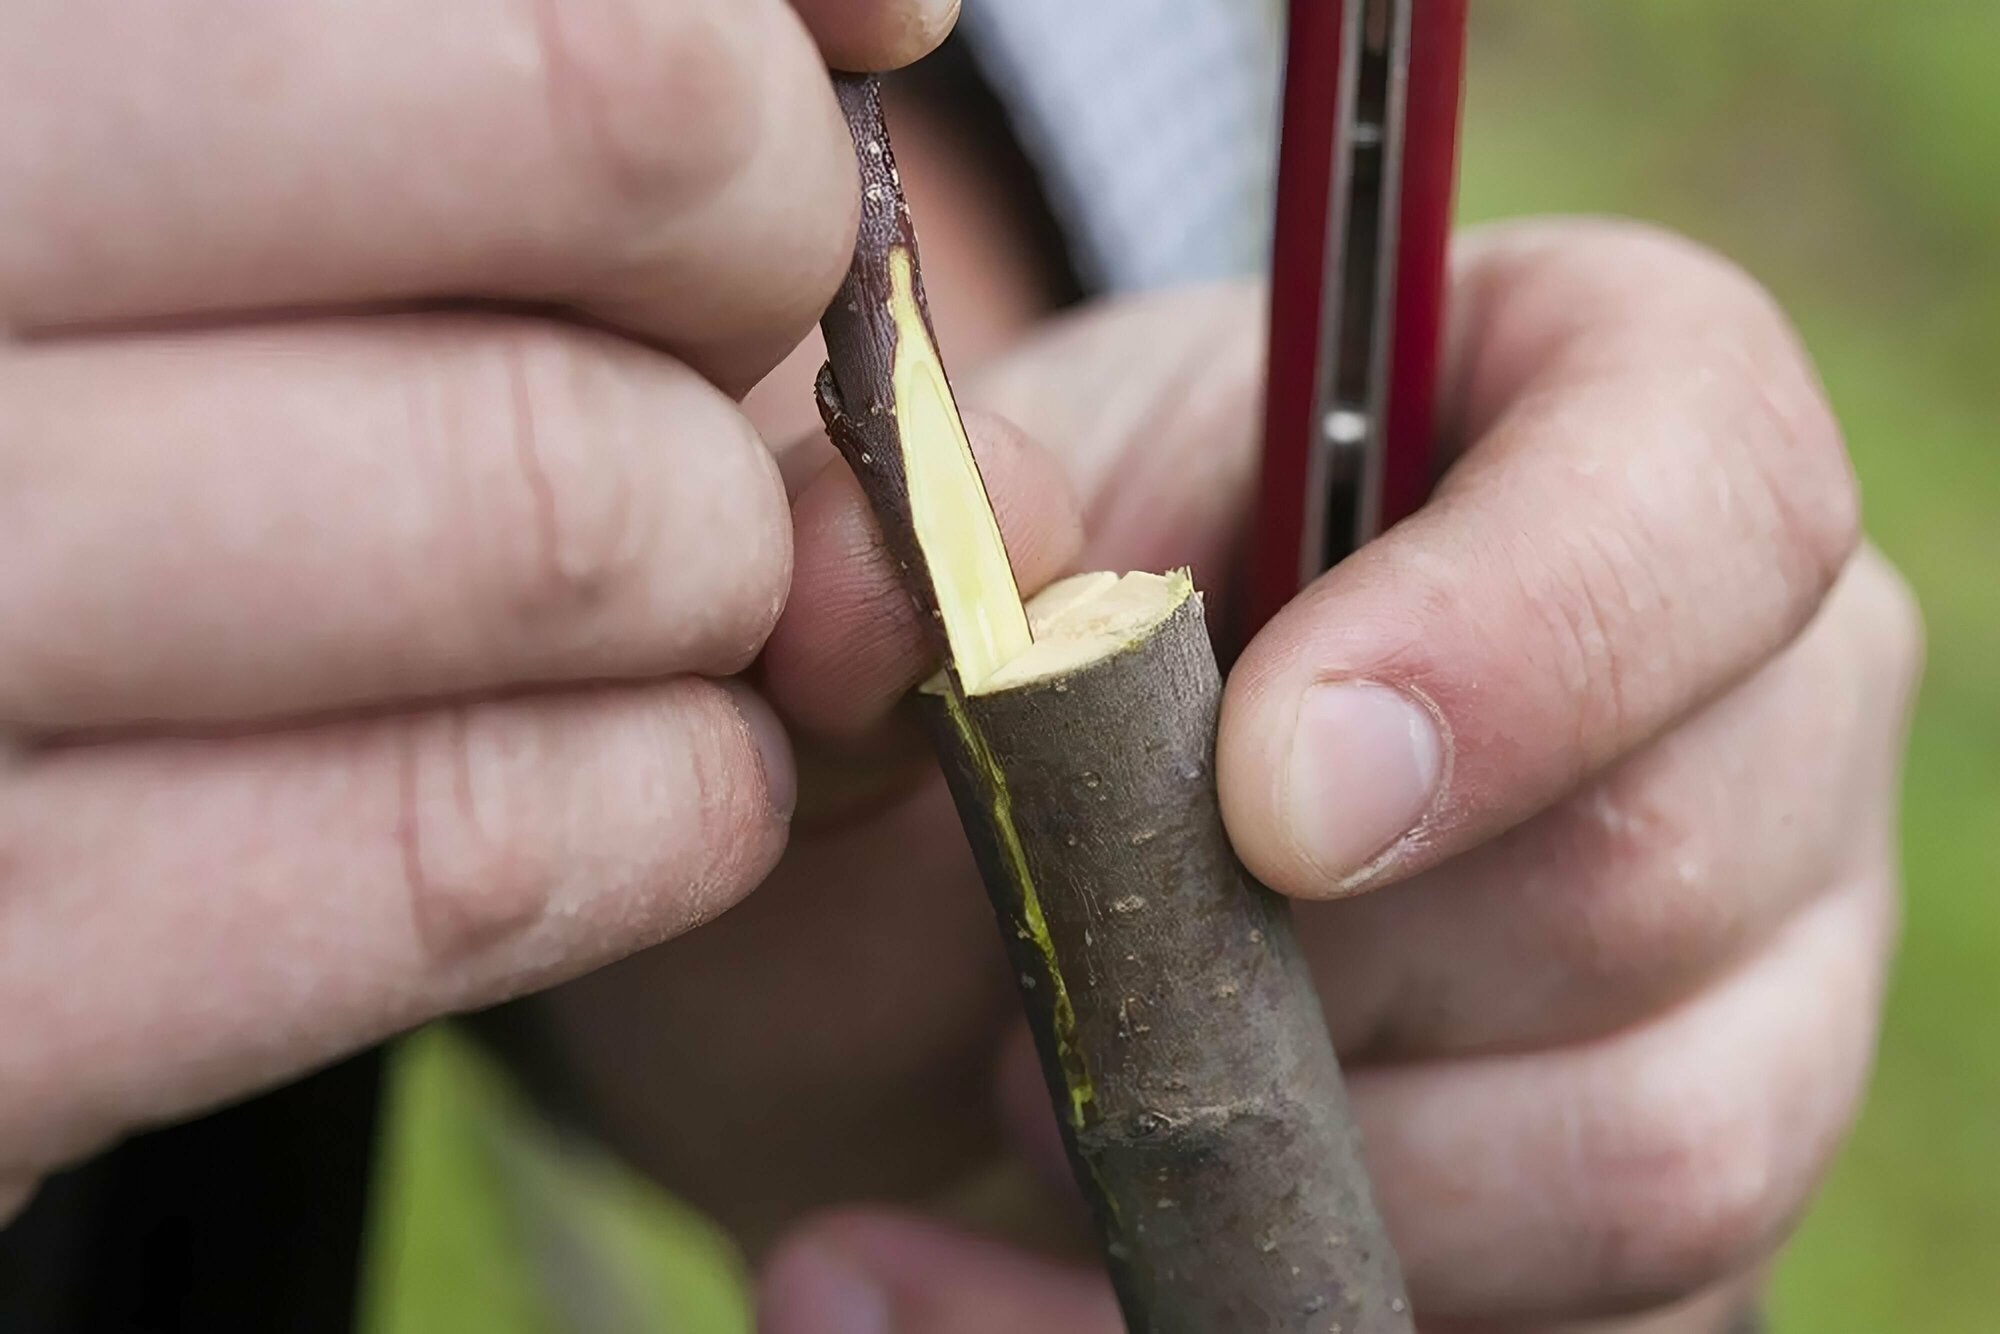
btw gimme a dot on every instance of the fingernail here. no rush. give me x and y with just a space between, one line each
1365 765
774 748
919 27
816 1291
937 17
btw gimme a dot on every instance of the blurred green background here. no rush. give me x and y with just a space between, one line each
1847 151
1849 154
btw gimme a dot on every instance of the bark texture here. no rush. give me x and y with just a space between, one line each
1178 1028
855 388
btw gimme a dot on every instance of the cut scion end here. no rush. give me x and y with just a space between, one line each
1085 619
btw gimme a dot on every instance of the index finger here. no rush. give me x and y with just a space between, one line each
1655 501
676 168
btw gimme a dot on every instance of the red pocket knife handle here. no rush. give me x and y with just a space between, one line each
1311 248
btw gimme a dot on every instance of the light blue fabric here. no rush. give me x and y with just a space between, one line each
1152 123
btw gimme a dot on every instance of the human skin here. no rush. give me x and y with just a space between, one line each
378 527
379 518
1607 1003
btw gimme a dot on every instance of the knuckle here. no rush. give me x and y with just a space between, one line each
1680 1196
590 542
1778 434
1890 620
1584 589
784 240
1691 276
651 104
705 137
553 509
539 838
1797 459
1636 243
1715 339
1642 911
473 868
1742 343
730 839
1557 271
751 570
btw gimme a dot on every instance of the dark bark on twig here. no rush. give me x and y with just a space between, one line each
1178 1028
855 387
1177 1023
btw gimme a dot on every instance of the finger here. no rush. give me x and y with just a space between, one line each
1672 868
882 1272
1727 1308
850 644
877 1272
840 1031
678 167
1152 401
877 34
1621 1175
250 907
224 525
1630 1172
1661 504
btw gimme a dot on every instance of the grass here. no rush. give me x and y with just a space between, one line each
1849 153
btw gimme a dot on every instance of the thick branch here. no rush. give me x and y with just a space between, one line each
1176 1020
1179 1032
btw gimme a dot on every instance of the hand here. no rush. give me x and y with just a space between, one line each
1593 848
376 516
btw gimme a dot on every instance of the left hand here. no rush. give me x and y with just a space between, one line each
1584 779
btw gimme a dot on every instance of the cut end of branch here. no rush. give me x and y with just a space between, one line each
1083 620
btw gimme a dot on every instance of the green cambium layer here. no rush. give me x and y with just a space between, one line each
1031 925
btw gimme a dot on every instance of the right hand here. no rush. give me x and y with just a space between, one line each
1662 844
375 512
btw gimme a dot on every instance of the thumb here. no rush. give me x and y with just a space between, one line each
1655 500
877 34
877 1272
1152 402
